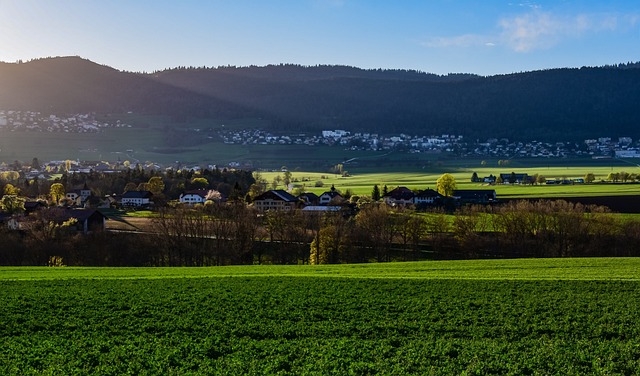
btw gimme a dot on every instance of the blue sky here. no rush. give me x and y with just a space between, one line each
438 36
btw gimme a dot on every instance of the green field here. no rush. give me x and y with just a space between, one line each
550 316
362 183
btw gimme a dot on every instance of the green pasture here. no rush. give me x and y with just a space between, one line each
362 183
494 317
518 269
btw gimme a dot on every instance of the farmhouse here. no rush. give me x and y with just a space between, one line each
427 197
136 199
277 199
399 196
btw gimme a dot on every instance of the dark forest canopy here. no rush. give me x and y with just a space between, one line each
556 104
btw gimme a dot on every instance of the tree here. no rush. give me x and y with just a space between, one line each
9 189
446 184
483 163
286 179
213 195
624 176
155 185
12 204
199 183
276 180
541 179
56 192
589 177
375 193
499 180
474 177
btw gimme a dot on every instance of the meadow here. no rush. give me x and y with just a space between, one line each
548 316
362 183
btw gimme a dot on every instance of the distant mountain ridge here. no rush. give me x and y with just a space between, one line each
556 104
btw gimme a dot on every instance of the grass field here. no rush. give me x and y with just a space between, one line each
362 183
569 316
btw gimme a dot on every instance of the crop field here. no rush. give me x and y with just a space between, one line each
362 183
569 316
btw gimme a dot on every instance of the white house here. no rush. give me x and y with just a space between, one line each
136 199
194 197
428 196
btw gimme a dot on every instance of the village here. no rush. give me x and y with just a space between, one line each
456 145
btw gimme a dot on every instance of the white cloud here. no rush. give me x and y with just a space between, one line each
530 31
539 30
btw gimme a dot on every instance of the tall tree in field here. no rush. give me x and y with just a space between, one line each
446 184
589 177
56 192
287 178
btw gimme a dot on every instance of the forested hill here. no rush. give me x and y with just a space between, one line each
557 104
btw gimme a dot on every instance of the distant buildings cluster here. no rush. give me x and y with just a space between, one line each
338 137
37 122
603 147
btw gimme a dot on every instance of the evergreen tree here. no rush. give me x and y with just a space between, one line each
375 194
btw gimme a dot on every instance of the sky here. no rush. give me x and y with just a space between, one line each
436 36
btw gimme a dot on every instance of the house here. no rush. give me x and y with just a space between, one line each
136 199
329 196
309 198
427 197
276 199
197 196
399 196
475 196
78 196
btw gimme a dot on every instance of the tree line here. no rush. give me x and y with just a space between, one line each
217 234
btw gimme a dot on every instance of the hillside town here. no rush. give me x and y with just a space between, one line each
35 121
603 147
456 145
